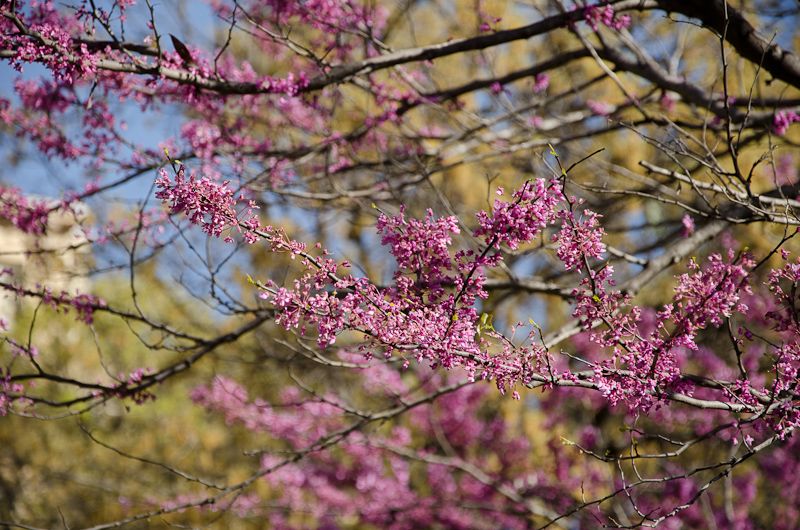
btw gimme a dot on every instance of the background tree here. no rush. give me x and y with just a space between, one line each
400 264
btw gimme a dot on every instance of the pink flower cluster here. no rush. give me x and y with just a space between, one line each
580 239
416 318
713 293
369 478
784 284
334 19
84 304
48 41
595 15
421 247
27 214
208 204
429 311
129 386
9 391
687 224
540 83
782 120
653 360
519 221
289 85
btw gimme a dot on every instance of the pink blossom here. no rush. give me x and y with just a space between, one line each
667 102
28 215
540 83
599 108
782 120
512 223
209 204
594 15
688 225
579 239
